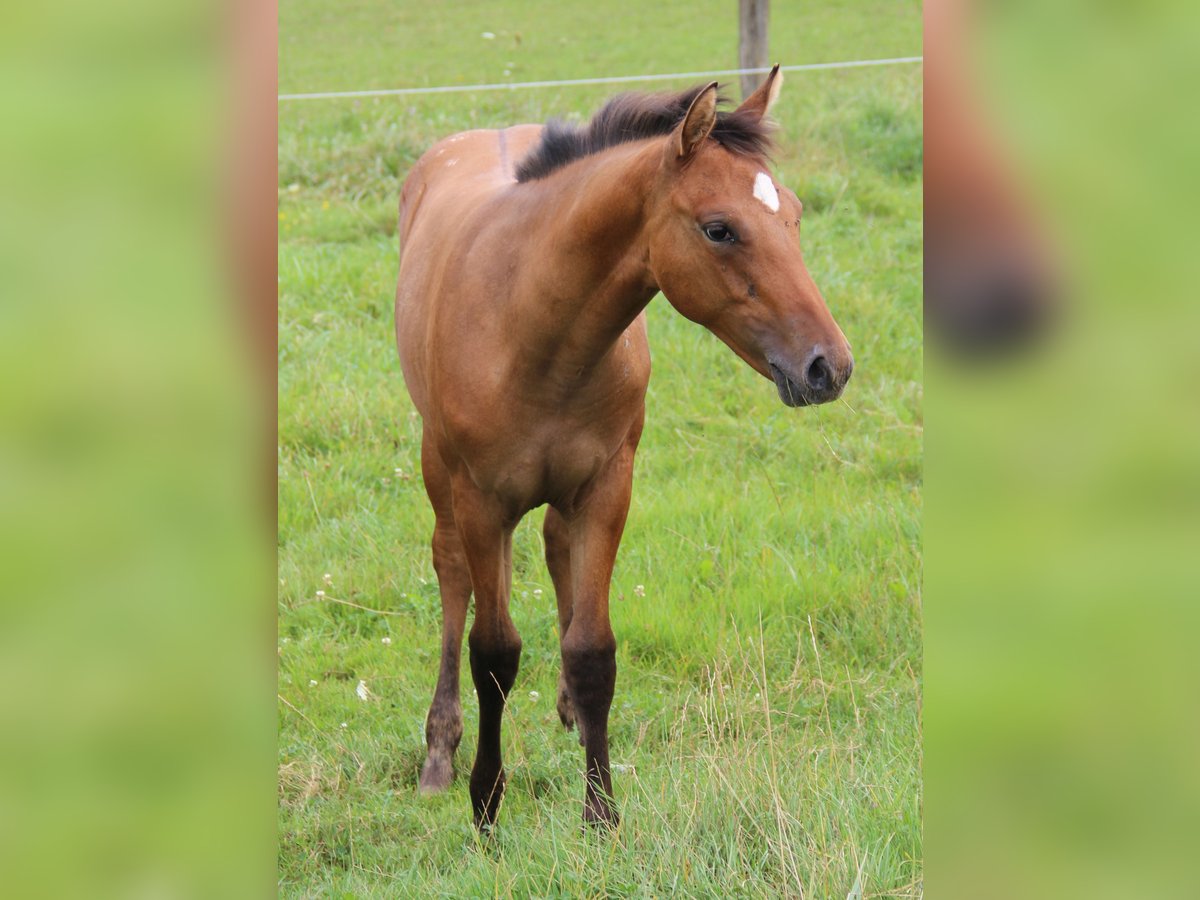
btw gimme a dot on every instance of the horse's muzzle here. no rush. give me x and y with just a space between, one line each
821 382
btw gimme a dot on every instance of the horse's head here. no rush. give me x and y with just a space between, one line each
725 251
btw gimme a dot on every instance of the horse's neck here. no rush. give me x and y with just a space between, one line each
589 273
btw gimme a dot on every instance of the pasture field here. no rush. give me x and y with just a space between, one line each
766 731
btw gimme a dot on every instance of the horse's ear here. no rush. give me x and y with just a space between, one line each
760 102
696 125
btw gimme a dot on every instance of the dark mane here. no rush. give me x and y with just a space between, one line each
632 117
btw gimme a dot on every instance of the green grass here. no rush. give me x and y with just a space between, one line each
766 727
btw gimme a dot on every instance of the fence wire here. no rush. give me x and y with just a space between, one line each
614 79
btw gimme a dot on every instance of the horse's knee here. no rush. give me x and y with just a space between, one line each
494 661
590 672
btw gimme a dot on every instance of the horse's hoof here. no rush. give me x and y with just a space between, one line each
436 776
486 794
600 815
486 831
485 821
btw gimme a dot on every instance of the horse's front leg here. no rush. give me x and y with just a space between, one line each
494 644
589 649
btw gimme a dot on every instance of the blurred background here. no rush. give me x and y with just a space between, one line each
136 459
136 456
1062 506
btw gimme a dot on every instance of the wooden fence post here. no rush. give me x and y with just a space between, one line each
753 52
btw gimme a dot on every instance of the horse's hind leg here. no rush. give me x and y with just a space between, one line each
444 724
558 561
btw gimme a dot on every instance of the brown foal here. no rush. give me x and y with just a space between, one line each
528 256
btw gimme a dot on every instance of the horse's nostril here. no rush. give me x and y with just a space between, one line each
819 376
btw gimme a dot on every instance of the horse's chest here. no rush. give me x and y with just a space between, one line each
530 460
570 460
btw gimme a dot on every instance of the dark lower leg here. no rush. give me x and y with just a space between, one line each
494 662
486 534
588 647
590 670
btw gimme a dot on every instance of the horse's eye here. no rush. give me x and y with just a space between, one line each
718 233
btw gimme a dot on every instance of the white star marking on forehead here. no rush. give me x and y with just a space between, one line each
764 190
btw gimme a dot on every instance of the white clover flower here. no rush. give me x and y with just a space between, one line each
537 592
344 725
312 682
533 696
320 595
386 640
639 590
328 579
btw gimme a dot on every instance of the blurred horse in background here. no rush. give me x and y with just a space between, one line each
991 283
